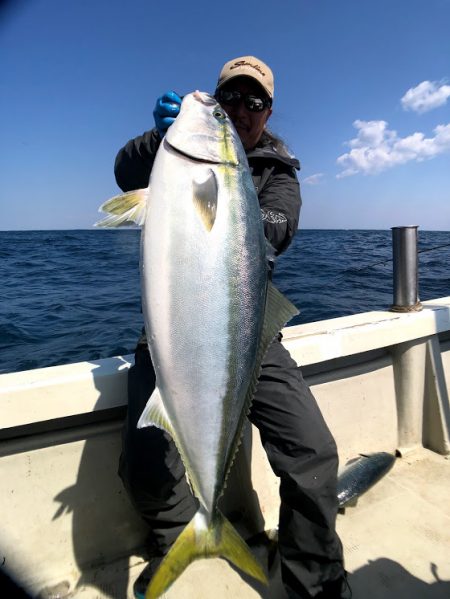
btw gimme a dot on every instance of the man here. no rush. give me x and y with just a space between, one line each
298 443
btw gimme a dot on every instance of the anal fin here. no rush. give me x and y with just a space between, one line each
155 414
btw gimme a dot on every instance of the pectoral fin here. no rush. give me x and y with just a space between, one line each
125 210
205 193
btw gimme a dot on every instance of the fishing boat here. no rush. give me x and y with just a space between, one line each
381 379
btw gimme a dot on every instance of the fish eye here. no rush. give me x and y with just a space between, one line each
219 115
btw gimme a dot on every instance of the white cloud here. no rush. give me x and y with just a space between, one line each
377 148
314 179
426 96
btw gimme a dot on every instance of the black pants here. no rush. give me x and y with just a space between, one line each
301 451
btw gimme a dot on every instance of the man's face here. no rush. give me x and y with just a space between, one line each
249 124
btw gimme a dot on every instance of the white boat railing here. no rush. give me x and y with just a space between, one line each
380 378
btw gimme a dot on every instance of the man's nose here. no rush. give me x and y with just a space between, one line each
239 112
240 109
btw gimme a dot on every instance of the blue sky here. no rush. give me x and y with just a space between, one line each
362 97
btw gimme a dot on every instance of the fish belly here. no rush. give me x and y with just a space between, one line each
203 303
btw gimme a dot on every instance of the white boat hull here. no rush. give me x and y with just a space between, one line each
382 382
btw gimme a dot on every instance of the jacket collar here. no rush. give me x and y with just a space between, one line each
265 149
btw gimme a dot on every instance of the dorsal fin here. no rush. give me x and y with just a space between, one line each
278 311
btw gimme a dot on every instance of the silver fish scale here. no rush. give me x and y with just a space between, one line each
205 312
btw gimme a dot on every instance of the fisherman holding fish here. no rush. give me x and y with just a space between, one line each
299 446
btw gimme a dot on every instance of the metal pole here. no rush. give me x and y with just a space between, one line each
405 269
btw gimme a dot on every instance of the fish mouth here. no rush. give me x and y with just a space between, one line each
208 138
204 98
185 154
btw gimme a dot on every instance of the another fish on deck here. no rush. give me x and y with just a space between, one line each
360 475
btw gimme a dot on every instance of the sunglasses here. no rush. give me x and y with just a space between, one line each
251 102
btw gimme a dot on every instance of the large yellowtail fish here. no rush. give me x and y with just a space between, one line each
209 310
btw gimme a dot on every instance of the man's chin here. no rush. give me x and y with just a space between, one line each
243 134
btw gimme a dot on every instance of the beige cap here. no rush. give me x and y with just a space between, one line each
248 66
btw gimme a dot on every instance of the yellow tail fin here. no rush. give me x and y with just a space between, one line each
202 540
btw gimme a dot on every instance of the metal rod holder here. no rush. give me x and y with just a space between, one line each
405 269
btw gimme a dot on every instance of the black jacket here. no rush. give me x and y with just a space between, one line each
273 173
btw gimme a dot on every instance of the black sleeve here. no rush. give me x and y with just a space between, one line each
280 202
134 162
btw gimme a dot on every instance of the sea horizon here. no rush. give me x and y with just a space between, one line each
71 296
93 228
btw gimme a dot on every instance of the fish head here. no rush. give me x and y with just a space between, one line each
203 131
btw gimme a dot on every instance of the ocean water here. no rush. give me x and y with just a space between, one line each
70 296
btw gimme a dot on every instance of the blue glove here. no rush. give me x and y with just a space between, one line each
166 110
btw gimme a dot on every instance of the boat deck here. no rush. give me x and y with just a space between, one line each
396 541
382 381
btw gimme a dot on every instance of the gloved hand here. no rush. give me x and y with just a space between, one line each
166 110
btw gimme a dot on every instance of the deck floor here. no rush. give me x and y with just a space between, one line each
396 540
